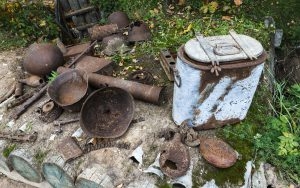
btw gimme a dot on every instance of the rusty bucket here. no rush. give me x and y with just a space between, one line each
69 90
107 113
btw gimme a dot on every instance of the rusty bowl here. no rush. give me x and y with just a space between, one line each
119 18
138 31
69 90
107 113
41 59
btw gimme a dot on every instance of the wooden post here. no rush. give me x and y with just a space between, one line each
58 173
23 162
96 176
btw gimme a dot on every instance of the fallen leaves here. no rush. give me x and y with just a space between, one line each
238 2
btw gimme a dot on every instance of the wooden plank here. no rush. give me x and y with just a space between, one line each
79 11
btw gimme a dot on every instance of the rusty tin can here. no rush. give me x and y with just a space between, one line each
207 100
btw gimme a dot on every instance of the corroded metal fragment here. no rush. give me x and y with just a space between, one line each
217 152
174 160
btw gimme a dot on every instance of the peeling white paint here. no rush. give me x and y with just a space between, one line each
227 99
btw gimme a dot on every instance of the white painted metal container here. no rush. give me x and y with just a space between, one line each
204 100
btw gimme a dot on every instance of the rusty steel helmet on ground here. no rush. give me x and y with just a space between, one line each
69 89
41 59
138 31
107 113
120 18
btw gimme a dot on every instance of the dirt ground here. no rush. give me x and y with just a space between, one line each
116 162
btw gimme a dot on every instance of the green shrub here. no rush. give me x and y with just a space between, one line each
26 21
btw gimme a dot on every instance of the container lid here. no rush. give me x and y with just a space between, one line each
224 47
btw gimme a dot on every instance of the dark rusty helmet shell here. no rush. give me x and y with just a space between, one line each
41 59
69 89
120 18
107 113
138 31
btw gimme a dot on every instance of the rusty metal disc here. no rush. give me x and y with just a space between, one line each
174 159
49 111
141 76
217 152
107 113
69 89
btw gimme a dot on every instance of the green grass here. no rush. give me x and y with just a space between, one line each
9 41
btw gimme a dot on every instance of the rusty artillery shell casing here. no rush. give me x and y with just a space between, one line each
98 32
139 91
19 90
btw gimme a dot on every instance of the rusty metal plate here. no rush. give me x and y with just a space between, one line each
217 152
76 50
174 159
107 113
69 149
92 64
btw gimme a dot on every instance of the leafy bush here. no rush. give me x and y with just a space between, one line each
26 21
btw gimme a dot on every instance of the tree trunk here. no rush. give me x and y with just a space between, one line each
58 173
94 177
23 162
3 160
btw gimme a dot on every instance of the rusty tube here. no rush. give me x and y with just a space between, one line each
98 32
147 93
19 90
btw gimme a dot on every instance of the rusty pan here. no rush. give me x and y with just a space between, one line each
69 90
107 113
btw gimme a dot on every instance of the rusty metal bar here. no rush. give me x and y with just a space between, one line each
139 91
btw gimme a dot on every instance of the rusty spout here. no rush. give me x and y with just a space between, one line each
33 81
147 93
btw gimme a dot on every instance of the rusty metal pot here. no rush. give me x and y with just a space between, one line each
174 159
120 18
41 59
69 90
138 31
107 113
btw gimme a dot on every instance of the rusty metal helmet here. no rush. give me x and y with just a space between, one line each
41 59
138 31
107 113
69 90
119 18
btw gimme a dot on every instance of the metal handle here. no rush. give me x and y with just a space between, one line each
177 78
223 49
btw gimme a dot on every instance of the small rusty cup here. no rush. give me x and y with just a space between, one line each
69 90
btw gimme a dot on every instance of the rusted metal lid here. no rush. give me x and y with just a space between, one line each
107 113
224 47
217 152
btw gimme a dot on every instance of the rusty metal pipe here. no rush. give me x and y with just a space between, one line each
147 93
19 90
